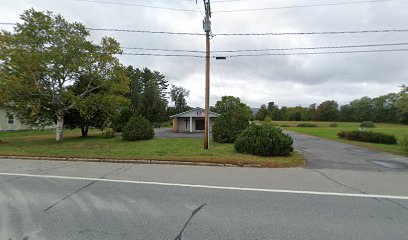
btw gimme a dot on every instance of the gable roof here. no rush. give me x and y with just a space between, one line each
192 110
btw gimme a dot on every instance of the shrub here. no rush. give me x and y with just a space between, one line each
138 128
122 119
404 142
306 125
367 124
372 137
108 133
228 126
264 140
333 125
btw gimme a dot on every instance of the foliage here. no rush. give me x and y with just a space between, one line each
327 111
264 140
228 126
268 120
138 128
148 93
232 104
178 96
372 137
333 125
389 108
404 142
45 59
120 121
403 105
308 125
367 124
262 113
108 133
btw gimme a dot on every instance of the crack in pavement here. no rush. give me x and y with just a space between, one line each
188 221
356 189
337 182
78 190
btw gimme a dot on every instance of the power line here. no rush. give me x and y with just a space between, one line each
318 53
401 30
302 6
162 55
144 31
314 48
270 54
138 5
163 49
219 67
269 49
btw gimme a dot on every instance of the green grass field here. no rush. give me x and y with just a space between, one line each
42 143
324 131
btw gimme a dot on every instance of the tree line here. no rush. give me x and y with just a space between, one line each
389 108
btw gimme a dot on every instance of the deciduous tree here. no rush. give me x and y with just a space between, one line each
43 58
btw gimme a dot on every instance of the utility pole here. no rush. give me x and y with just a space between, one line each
207 29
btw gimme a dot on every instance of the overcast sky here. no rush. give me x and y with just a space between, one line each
286 80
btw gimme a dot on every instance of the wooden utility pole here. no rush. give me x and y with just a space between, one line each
207 29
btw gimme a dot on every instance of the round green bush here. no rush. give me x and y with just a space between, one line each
228 126
372 137
264 140
138 128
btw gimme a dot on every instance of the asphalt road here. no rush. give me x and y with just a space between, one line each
70 200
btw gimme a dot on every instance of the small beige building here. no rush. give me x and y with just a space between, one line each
192 121
9 122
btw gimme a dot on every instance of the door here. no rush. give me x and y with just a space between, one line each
200 125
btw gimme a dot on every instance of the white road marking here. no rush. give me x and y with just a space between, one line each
212 187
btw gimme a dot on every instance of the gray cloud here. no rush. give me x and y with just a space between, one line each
287 80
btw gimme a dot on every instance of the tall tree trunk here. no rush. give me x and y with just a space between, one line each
84 131
60 126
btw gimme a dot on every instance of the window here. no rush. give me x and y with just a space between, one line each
11 119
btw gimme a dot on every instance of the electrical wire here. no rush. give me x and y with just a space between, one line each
139 5
318 53
302 6
399 30
269 49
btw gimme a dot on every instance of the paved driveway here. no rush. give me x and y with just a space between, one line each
168 133
321 153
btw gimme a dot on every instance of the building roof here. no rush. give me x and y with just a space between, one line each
192 110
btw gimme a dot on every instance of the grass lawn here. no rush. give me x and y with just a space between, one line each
42 143
324 131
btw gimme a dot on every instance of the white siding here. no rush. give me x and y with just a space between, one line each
4 122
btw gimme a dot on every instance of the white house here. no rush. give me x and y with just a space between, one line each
192 121
9 122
